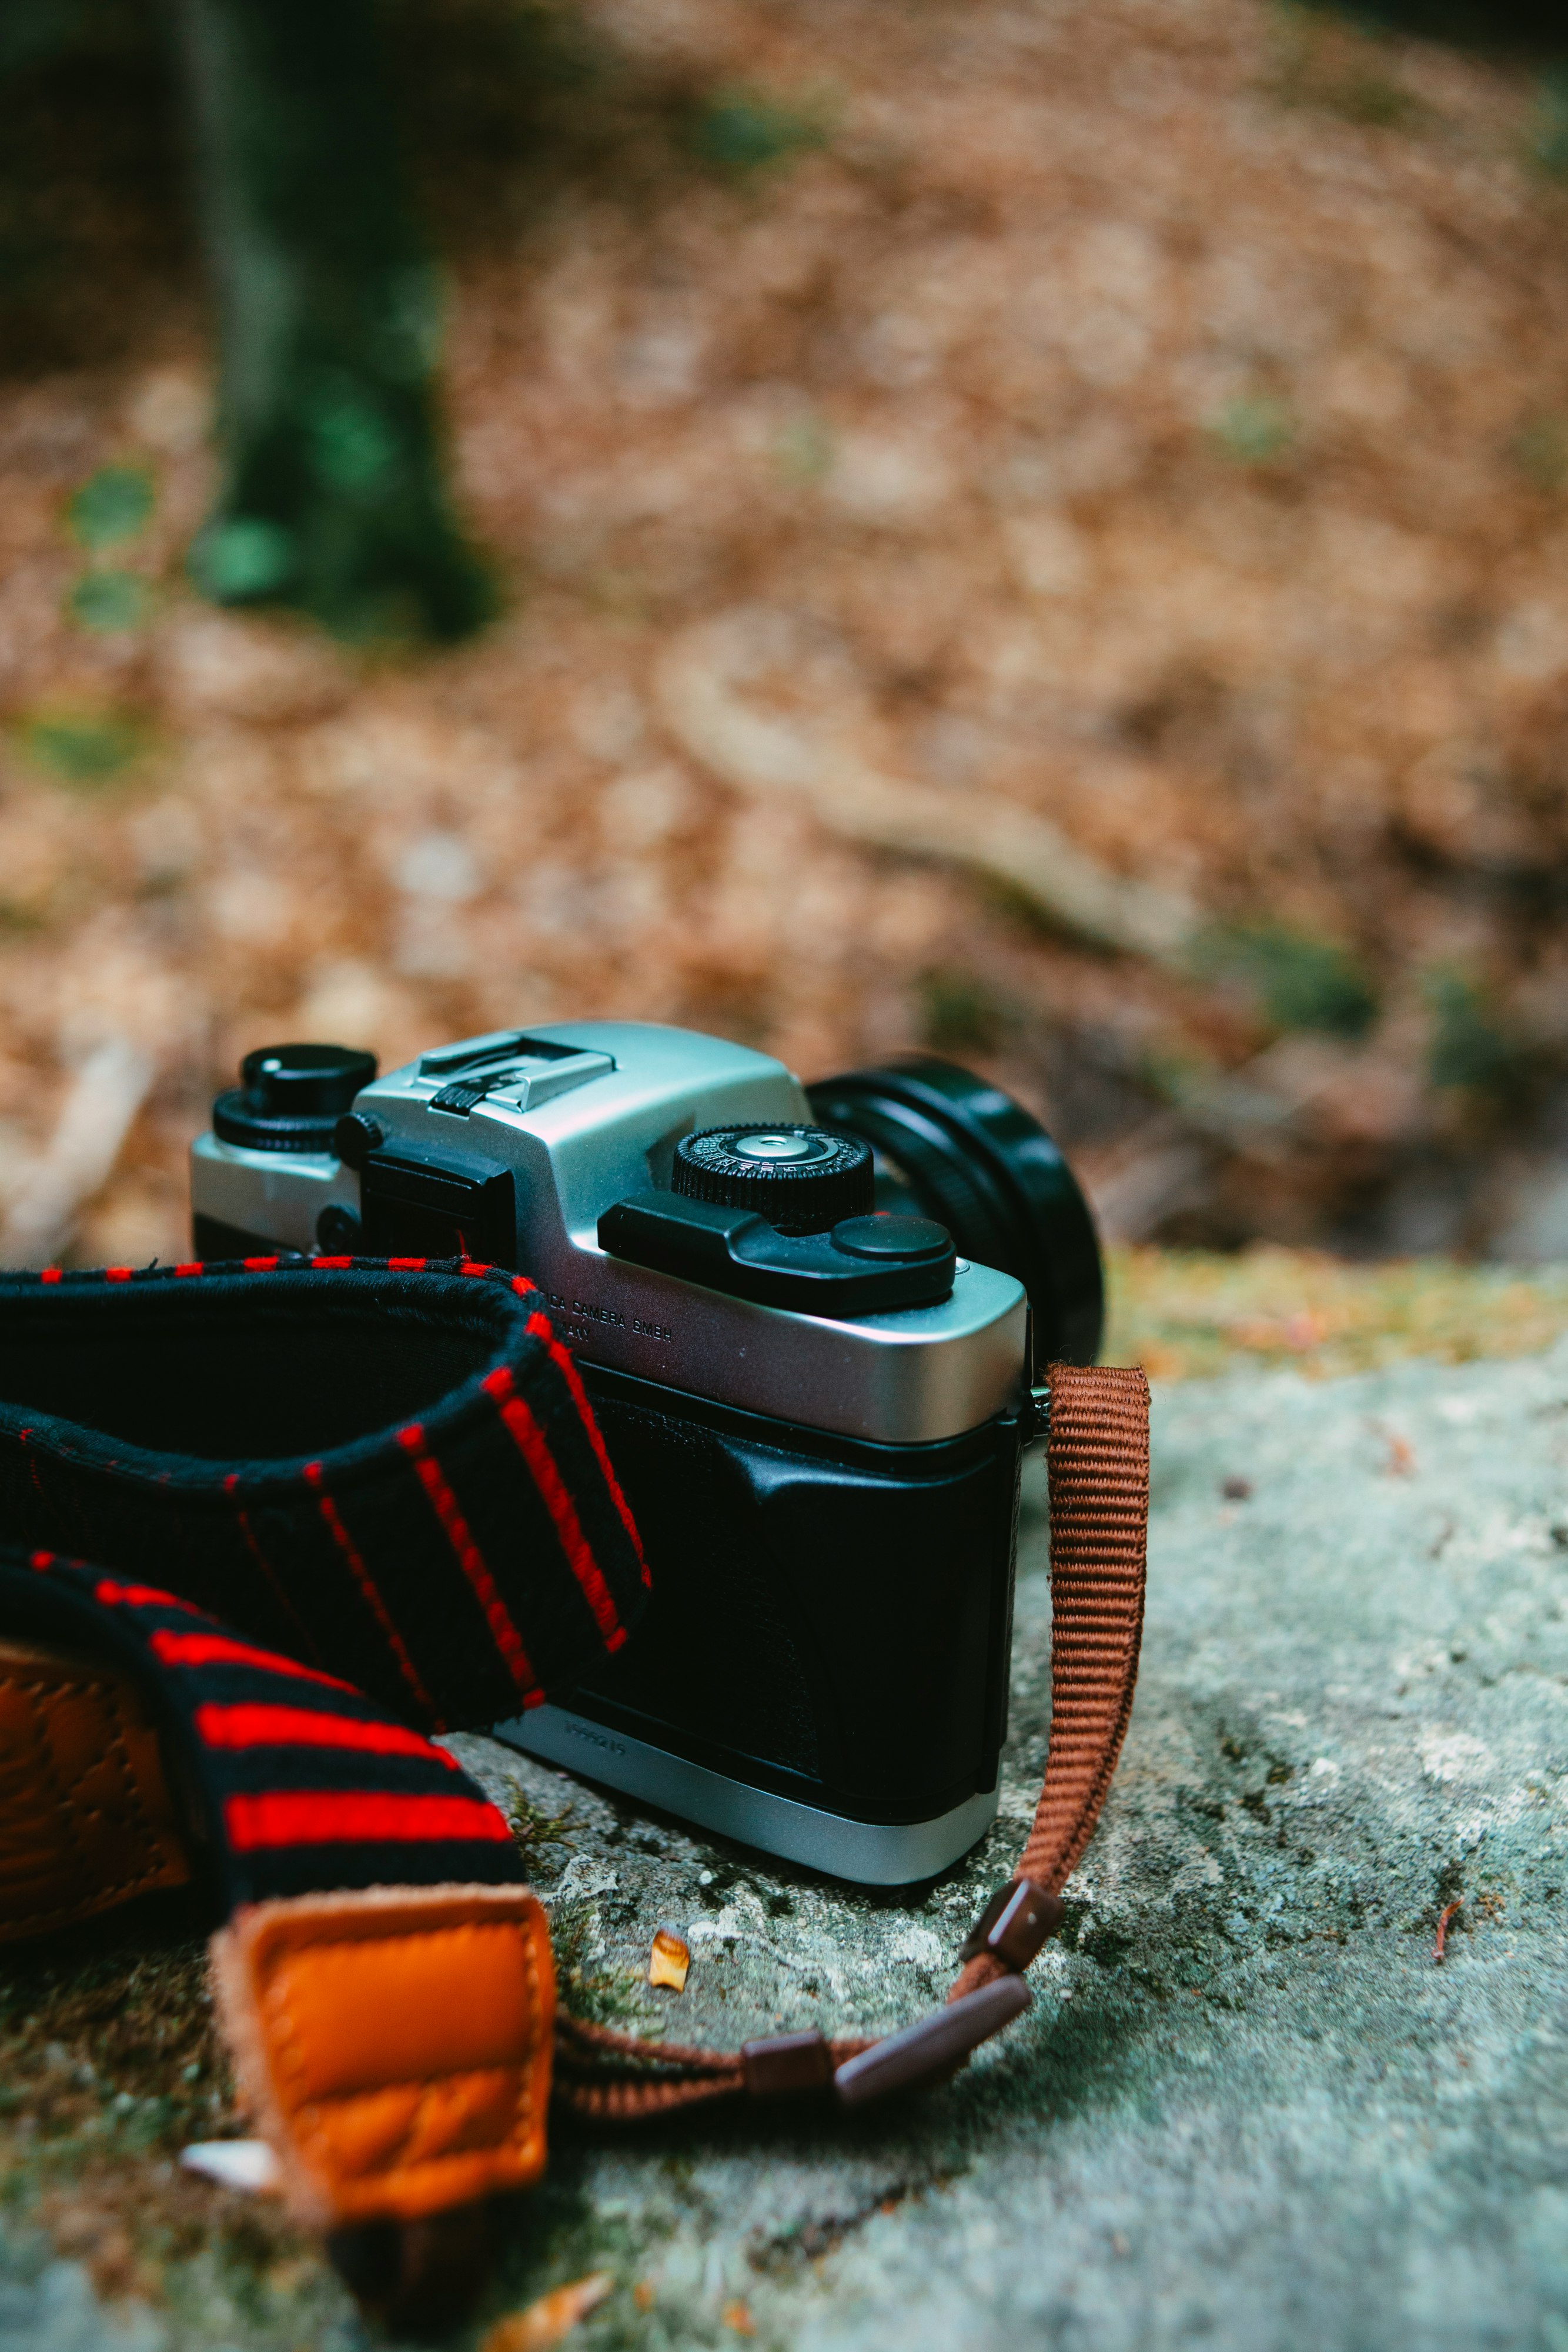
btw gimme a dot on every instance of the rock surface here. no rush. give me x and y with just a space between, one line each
1249 2108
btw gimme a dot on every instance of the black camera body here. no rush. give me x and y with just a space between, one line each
807 1322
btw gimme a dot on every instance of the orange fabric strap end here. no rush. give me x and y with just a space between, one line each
394 2046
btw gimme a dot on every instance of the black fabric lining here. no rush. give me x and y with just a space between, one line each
217 1378
265 1550
429 1861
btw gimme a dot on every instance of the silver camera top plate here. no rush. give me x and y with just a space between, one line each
595 1118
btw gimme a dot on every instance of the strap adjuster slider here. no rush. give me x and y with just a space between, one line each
786 2064
1020 1917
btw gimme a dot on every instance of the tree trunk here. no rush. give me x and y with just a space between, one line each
332 497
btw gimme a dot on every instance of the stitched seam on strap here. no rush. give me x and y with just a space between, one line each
265 1567
369 1590
470 1559
541 1327
534 1446
523 2069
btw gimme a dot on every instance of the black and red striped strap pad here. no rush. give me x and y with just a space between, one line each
285 1780
332 1505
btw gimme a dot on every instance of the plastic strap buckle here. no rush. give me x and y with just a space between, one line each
1020 1917
786 2064
933 2046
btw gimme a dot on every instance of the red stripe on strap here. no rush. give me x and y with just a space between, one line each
311 1817
143 1596
195 1266
369 1590
530 1442
25 1437
263 1566
259 1264
407 1264
472 1561
541 1327
117 1274
331 1265
51 1274
218 1650
256 1725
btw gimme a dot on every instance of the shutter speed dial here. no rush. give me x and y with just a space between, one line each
804 1179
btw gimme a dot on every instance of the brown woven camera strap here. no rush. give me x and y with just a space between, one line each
1097 1460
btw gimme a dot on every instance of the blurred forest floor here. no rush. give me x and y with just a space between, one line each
1149 418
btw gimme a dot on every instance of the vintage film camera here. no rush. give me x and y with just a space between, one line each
809 1320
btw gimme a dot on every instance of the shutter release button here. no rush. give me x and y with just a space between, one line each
898 1240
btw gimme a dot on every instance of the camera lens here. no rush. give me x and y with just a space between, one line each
289 1097
951 1146
800 1180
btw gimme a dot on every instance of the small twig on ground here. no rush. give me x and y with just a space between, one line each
106 1094
1400 1460
712 682
1442 1943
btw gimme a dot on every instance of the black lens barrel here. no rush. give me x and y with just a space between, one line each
981 1164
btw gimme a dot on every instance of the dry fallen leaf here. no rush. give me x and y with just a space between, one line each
669 1961
1400 1461
544 2323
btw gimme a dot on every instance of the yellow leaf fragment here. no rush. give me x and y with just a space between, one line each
546 2322
669 1961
